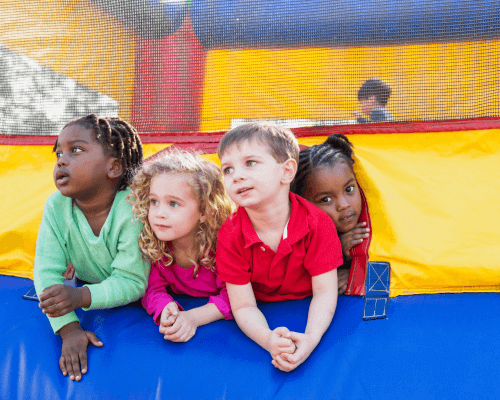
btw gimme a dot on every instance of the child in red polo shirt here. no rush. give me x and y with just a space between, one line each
277 246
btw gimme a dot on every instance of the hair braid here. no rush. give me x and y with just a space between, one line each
118 138
336 148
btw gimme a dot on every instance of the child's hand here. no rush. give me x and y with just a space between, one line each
353 237
342 278
59 300
74 350
279 342
305 345
168 316
183 328
70 272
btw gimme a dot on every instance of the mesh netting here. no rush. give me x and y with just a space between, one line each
207 65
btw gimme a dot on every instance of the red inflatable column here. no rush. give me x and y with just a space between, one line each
168 83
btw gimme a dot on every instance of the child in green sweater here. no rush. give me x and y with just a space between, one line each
90 224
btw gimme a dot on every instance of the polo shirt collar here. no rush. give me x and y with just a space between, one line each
297 226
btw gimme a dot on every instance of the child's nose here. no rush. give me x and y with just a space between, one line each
162 212
342 204
62 160
237 174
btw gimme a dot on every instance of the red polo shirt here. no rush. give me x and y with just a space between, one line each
312 247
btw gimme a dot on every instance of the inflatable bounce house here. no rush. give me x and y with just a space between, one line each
418 318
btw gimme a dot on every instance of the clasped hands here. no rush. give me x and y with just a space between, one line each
290 349
175 325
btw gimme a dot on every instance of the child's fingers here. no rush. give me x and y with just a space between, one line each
50 291
282 364
284 342
93 339
296 337
290 349
283 331
172 329
83 362
173 308
68 359
62 365
75 363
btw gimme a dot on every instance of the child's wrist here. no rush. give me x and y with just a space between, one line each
85 297
67 329
315 336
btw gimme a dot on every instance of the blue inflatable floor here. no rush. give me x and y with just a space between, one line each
429 347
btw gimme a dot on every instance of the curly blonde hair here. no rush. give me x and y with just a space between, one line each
208 188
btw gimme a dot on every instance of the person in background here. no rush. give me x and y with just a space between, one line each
373 96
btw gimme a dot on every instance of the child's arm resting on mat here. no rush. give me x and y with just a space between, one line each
73 360
253 323
320 316
51 261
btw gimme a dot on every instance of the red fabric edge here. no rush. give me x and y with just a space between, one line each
214 137
356 283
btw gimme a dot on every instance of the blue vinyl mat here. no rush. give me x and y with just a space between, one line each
429 347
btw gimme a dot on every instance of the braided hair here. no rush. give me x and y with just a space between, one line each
118 138
336 148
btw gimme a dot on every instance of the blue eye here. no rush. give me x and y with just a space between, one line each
251 163
174 204
228 170
153 202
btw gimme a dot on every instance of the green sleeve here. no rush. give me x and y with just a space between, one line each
129 272
51 259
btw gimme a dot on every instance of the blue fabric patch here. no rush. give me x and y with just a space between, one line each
378 280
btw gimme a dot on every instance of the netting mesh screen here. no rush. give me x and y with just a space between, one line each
177 66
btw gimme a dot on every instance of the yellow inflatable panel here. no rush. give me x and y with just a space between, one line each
433 200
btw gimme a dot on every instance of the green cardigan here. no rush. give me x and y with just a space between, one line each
112 263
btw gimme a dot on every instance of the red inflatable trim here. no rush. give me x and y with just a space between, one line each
211 139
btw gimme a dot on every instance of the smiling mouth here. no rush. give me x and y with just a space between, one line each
243 190
347 217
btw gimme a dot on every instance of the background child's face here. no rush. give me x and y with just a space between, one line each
252 176
368 104
82 164
335 190
173 208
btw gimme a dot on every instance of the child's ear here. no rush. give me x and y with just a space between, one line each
203 218
116 168
289 171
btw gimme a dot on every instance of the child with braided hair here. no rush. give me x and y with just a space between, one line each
325 177
89 224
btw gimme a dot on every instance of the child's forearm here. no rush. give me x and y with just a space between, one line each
253 323
205 314
321 311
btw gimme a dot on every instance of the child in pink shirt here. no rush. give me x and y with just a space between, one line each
181 201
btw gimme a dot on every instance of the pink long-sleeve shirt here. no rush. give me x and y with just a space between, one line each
181 281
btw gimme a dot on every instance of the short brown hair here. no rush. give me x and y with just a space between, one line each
281 142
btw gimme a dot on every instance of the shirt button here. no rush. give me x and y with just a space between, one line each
262 248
